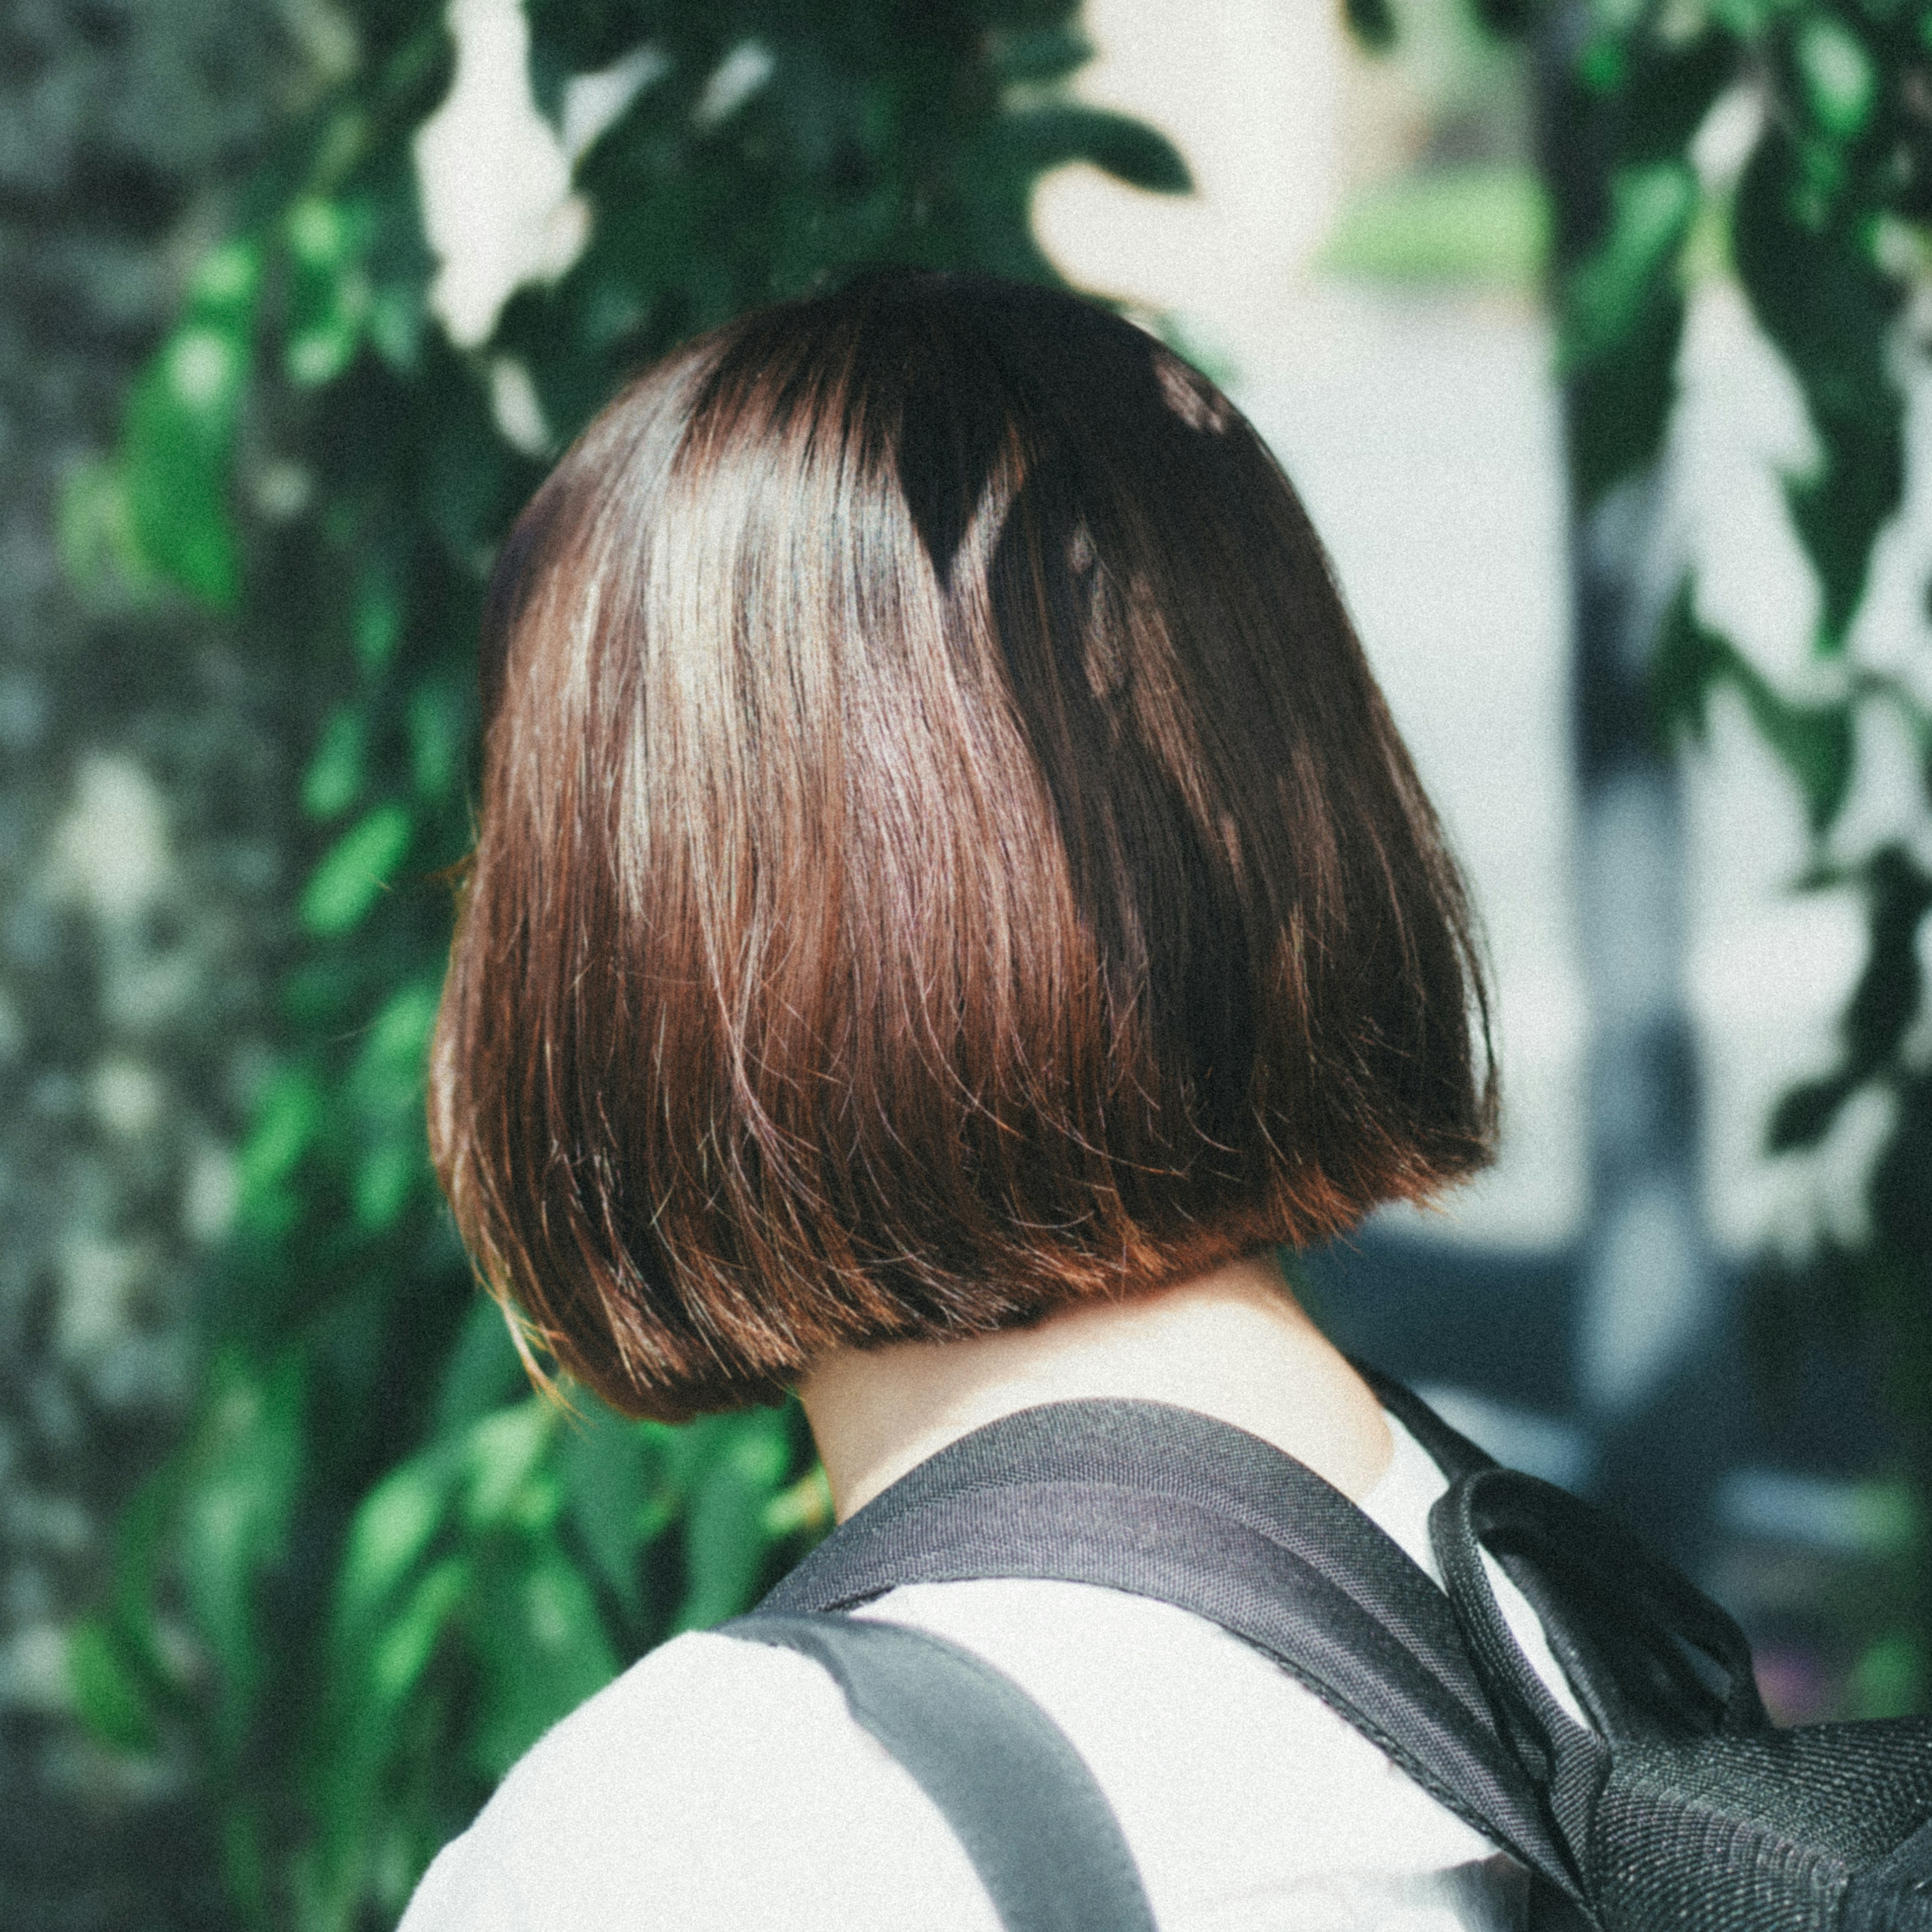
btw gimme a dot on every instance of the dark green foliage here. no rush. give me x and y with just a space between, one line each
1825 229
1635 104
1372 22
381 1566
1807 262
1813 742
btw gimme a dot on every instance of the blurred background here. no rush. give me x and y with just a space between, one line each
1593 335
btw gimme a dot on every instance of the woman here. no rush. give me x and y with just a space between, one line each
950 903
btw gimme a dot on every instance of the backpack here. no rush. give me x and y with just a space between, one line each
1684 1806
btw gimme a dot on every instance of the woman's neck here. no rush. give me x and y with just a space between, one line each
1233 1344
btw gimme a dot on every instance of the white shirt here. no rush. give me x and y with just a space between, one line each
722 1786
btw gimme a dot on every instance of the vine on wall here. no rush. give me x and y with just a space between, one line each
380 1568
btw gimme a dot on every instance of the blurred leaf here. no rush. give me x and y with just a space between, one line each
286 1123
99 550
439 726
388 1174
1901 1205
1889 1679
1371 21
336 775
503 1456
1037 54
330 298
1489 226
726 1542
1130 150
109 1697
401 1650
356 871
1829 311
388 1075
235 1520
1508 20
611 1468
542 1647
178 448
1804 1114
1891 989
392 1532
1815 742
378 621
1839 82
1634 268
806 1508
177 440
371 1683
483 1373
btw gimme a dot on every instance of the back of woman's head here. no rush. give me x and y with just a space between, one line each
943 857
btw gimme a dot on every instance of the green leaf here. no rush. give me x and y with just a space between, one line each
287 1119
726 1542
370 1688
1688 662
319 355
387 1077
1622 319
337 774
804 1509
1371 21
236 1516
109 1697
392 1531
378 624
543 1648
1829 311
1488 225
226 282
400 1650
611 1468
389 1174
1840 84
1891 989
177 440
94 529
1815 742
1804 1116
354 872
178 449
1041 54
439 729
319 234
1048 137
330 299
484 1372
503 1458
1634 268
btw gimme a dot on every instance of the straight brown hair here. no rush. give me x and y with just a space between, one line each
942 856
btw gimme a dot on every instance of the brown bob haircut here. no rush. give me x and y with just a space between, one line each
942 857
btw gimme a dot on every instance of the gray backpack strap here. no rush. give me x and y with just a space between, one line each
1019 1797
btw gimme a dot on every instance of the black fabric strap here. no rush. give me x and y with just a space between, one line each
1019 1797
1163 1502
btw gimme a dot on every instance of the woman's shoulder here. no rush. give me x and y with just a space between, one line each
715 1783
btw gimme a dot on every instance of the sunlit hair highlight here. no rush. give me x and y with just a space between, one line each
942 856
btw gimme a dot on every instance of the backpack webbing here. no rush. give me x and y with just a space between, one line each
1019 1798
1160 1501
